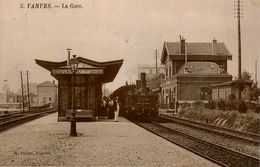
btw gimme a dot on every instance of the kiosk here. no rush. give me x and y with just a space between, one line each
88 85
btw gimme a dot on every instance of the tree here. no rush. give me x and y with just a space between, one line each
246 80
254 92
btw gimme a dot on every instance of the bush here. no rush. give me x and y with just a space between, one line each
251 106
232 97
231 105
197 103
242 107
171 105
184 105
163 106
222 105
210 105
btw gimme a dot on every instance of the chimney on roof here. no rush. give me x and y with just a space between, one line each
68 61
214 46
182 44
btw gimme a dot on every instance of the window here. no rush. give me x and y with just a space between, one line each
205 93
50 99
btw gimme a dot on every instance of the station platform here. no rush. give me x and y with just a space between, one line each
46 142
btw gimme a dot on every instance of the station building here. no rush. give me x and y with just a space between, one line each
88 85
190 70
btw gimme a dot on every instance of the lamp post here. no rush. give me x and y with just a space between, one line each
74 67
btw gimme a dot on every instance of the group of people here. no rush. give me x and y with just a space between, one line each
111 108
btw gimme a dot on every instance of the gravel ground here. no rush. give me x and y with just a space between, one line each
45 142
217 139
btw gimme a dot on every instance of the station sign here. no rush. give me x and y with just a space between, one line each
79 71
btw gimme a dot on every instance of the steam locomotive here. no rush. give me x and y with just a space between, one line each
138 102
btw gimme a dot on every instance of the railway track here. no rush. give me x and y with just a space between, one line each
230 133
8 121
216 153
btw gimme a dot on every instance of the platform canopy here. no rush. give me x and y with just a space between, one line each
108 69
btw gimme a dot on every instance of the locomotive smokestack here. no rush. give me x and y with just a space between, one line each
143 80
138 84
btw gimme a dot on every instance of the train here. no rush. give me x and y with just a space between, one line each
137 102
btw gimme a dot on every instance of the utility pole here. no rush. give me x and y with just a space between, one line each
22 89
156 66
239 49
28 92
256 72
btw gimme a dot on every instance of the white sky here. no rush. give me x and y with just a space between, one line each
107 30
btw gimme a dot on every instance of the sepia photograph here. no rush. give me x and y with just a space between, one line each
147 83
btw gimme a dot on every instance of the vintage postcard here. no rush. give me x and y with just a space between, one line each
129 83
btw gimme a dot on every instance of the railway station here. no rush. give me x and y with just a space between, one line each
138 92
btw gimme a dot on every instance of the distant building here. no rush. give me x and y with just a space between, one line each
47 93
33 99
191 81
223 91
6 88
6 96
32 88
2 97
153 77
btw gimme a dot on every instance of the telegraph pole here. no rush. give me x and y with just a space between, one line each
239 49
156 66
28 92
22 89
256 72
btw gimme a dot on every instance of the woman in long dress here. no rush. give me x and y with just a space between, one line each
116 110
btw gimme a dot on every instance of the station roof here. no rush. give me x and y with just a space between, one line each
46 84
111 68
201 68
196 51
231 83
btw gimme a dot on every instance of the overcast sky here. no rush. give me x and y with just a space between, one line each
105 30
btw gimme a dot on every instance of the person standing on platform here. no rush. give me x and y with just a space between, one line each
117 107
176 108
106 108
110 109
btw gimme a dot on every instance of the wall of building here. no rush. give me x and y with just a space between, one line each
47 95
193 91
63 96
223 93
